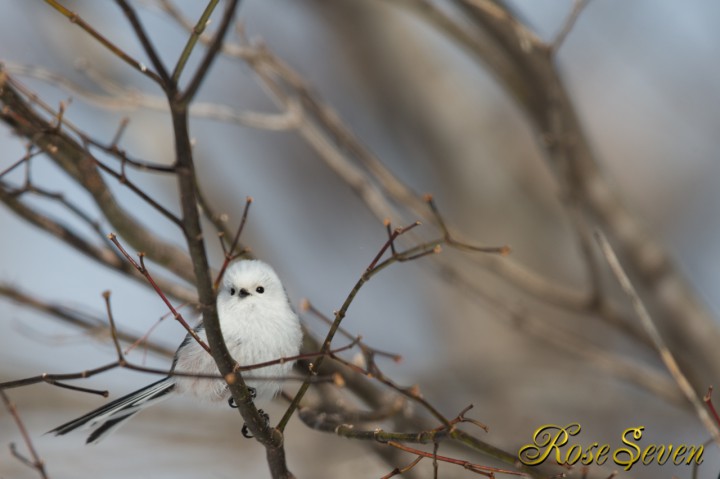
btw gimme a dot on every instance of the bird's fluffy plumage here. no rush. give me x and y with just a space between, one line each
258 325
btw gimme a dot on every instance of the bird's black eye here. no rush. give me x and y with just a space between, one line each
232 291
260 289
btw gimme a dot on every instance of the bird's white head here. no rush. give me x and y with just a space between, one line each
250 284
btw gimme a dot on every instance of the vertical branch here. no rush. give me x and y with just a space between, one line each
185 169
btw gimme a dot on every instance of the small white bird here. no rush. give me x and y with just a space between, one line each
258 325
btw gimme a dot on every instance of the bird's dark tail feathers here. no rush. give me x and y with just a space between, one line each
109 417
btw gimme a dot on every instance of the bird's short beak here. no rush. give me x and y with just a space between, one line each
244 293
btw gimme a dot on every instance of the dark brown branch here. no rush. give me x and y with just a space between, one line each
272 439
53 378
146 43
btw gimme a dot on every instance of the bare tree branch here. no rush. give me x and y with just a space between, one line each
75 160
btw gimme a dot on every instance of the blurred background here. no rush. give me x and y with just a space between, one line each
643 78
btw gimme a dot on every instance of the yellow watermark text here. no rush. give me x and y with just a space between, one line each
553 442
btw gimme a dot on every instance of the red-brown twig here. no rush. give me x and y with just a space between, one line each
35 462
144 271
451 241
121 362
476 468
306 305
390 243
375 267
145 337
413 393
230 252
710 405
401 470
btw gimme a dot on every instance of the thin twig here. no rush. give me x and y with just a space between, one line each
71 316
36 463
26 157
476 468
73 158
708 400
192 40
113 329
77 20
213 49
372 269
578 7
144 271
306 305
654 334
146 43
451 241
401 470
230 252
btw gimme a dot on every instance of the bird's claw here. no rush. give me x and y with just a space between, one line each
246 432
233 404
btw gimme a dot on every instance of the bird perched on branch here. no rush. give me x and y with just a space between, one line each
258 325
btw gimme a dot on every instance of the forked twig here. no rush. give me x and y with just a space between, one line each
375 267
77 20
230 253
144 271
35 462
